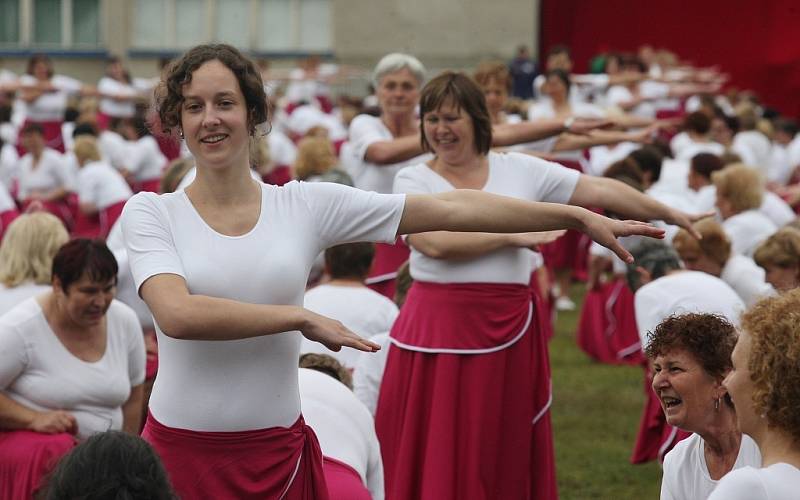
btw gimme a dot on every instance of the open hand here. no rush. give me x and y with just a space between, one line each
685 221
333 334
606 231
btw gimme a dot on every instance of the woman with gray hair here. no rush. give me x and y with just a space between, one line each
662 288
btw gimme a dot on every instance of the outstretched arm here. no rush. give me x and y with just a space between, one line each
470 210
622 199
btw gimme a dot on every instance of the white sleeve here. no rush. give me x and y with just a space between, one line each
87 187
617 95
369 372
60 170
646 305
740 484
136 350
344 214
375 483
67 84
13 355
553 183
667 478
363 133
148 239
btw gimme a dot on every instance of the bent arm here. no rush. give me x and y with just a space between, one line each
15 416
132 410
458 246
394 151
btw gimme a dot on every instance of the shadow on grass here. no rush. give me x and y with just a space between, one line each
596 410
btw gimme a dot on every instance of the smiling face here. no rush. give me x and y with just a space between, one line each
85 301
398 93
450 133
686 391
740 386
214 117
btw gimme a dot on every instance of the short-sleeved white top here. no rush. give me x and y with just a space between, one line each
686 474
9 165
50 173
251 383
684 292
368 374
692 148
364 131
113 148
343 425
746 278
6 201
50 106
510 174
754 149
360 309
110 107
100 184
12 297
144 158
776 482
282 150
747 230
38 372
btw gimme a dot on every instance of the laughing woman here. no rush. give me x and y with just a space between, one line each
690 355
223 266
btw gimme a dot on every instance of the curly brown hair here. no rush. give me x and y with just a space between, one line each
710 338
773 324
168 96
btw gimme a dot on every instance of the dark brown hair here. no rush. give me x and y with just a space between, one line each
37 58
467 96
169 93
705 164
83 256
350 260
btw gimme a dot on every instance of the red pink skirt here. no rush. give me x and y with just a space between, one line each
276 462
26 457
463 410
344 483
388 259
607 329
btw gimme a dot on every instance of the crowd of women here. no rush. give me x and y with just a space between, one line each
162 273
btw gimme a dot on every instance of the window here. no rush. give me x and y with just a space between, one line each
9 21
261 25
49 24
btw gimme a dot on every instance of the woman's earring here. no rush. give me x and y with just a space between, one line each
716 404
180 133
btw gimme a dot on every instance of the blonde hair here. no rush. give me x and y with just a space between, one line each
714 243
260 157
774 327
740 185
493 71
315 156
85 149
174 173
28 248
782 249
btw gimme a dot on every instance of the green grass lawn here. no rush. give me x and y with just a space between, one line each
595 412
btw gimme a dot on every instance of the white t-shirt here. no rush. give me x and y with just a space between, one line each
9 165
747 230
360 309
510 174
754 149
50 106
100 184
344 427
601 157
544 110
144 158
364 131
368 374
113 148
50 173
11 297
678 142
776 482
38 372
307 116
6 201
619 94
777 210
191 174
250 383
684 292
126 289
693 148
746 278
110 107
780 171
686 474
282 150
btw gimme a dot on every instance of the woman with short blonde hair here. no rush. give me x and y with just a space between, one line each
779 255
26 257
740 192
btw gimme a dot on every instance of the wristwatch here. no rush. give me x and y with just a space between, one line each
568 123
